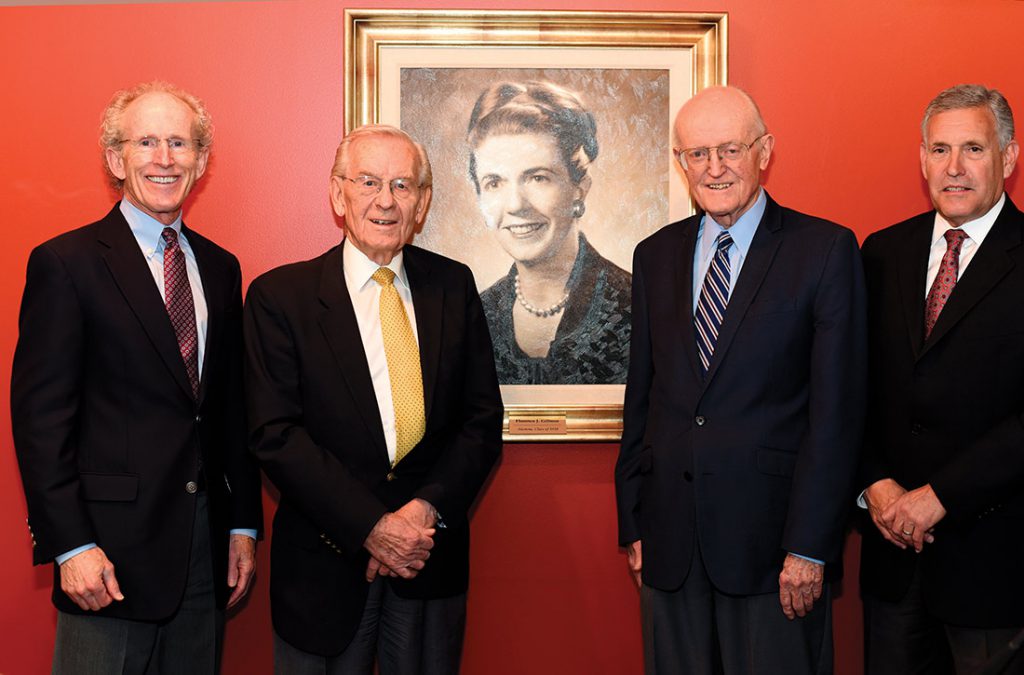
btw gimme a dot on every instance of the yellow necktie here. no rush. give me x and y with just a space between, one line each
403 355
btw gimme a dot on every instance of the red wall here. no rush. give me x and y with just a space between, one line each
841 84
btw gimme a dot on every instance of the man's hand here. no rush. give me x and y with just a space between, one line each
398 546
421 514
241 565
879 496
88 579
799 585
636 561
911 517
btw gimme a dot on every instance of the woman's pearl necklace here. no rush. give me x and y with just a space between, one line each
542 313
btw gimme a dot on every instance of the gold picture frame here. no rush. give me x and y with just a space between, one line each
688 49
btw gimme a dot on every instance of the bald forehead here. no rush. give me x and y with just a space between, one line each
722 109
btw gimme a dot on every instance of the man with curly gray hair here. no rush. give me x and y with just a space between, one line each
127 414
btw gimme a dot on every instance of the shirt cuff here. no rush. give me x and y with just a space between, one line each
804 557
861 502
64 557
241 530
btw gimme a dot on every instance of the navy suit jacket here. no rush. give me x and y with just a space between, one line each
757 458
949 412
107 430
317 431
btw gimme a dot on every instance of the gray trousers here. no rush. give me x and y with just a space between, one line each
406 637
188 642
903 638
698 630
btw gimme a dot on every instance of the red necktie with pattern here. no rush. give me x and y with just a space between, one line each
180 308
945 280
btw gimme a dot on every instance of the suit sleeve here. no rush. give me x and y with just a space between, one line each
873 465
632 453
458 474
827 463
311 477
46 382
242 472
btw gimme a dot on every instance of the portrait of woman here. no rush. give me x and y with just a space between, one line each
561 314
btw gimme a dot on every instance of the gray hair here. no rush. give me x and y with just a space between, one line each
111 133
425 178
973 96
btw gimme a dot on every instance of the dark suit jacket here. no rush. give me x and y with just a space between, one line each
950 412
106 428
758 458
316 429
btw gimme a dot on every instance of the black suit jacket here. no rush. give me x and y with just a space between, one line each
758 458
949 412
316 429
106 428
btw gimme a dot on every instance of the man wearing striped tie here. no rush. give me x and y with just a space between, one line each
374 408
743 412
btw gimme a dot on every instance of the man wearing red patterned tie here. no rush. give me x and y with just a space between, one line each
127 413
944 456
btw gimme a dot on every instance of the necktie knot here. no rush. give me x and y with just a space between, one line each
170 236
384 276
724 241
955 239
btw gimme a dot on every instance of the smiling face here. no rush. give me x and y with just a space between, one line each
526 194
715 117
380 224
157 179
962 162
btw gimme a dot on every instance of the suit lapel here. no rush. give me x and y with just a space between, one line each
684 291
990 263
341 332
759 259
132 275
213 284
428 301
911 279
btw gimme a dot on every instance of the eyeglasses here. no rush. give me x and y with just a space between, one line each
367 186
728 153
151 144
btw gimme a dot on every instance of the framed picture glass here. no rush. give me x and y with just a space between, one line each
549 136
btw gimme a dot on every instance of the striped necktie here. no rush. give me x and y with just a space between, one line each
714 296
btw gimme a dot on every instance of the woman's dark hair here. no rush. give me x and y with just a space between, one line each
508 108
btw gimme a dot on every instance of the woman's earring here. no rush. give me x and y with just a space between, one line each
578 208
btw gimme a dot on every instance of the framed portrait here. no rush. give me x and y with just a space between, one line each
549 137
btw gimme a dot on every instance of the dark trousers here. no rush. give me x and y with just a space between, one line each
407 637
188 642
903 638
698 630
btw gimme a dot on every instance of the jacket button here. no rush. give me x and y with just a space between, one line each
687 476
699 420
391 476
191 487
916 429
199 418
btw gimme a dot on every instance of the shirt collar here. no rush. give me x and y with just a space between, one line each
359 269
742 231
976 229
147 230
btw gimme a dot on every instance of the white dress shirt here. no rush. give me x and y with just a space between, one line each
365 294
976 231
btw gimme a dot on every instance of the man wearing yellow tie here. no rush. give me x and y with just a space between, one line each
374 408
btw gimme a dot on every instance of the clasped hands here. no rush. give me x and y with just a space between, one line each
905 518
400 542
